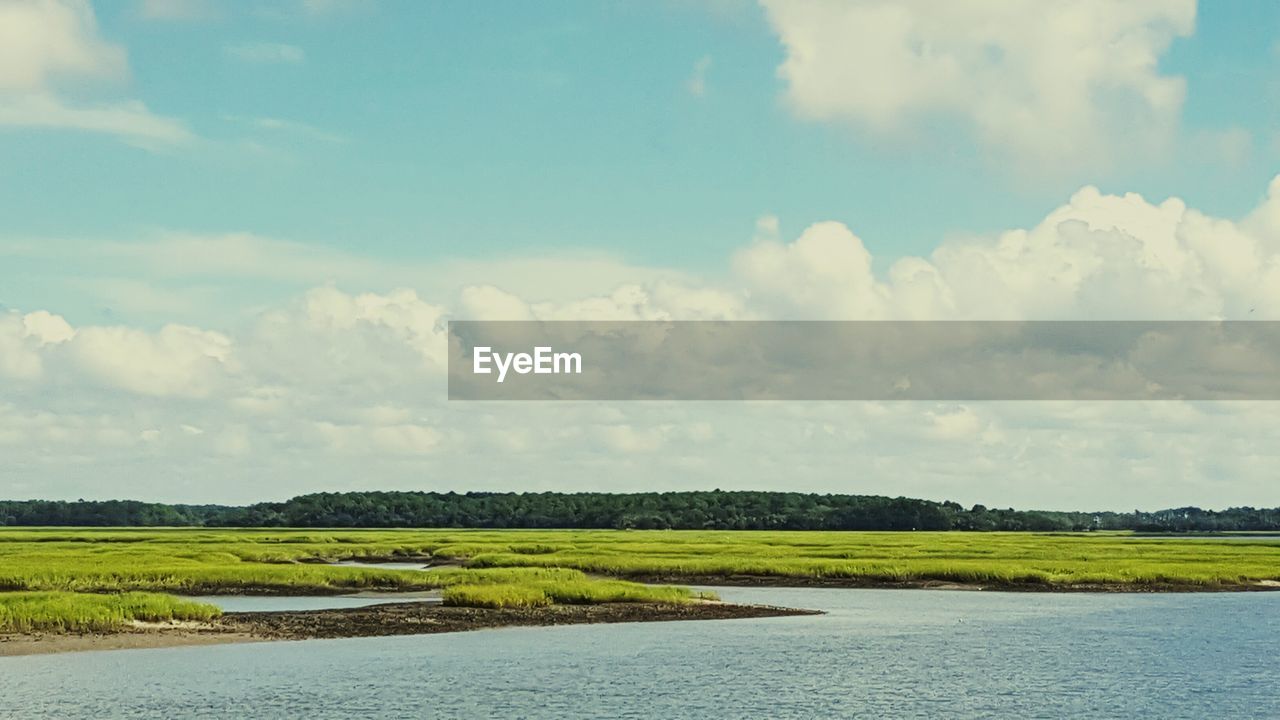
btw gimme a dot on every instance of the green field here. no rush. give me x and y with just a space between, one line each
530 568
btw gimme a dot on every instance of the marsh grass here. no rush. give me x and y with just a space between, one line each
23 612
498 595
576 591
555 563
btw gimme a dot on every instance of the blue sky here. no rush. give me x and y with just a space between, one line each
428 130
230 233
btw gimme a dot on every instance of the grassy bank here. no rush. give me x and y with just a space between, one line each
999 559
27 612
552 562
574 592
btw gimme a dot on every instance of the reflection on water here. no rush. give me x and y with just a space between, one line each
385 565
255 603
878 653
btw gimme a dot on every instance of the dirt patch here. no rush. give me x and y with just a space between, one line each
416 618
133 639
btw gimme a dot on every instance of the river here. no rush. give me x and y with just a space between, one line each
877 653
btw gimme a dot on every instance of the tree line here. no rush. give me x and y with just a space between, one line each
713 510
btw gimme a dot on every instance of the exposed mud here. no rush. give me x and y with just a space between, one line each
411 618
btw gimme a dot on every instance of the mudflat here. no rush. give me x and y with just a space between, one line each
411 618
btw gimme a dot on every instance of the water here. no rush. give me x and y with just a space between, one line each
386 565
253 603
879 653
1209 538
250 603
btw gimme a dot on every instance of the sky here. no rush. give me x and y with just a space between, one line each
231 234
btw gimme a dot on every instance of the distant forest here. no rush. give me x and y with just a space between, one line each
714 510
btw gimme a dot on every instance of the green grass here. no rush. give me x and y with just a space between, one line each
99 579
500 595
190 561
64 567
80 612
994 558
573 591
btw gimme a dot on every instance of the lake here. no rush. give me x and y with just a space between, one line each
896 653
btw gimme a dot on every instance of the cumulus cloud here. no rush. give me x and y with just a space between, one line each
401 315
19 352
1040 82
1098 256
46 328
826 270
43 45
175 361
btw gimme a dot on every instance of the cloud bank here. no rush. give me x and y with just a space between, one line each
344 386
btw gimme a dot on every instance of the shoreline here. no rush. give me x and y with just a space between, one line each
411 618
862 583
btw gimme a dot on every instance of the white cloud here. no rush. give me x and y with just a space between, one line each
176 361
486 302
277 53
280 125
23 339
405 439
659 300
767 227
628 439
46 328
1097 257
43 45
826 270
400 314
130 121
241 255
19 352
697 83
955 424
1044 83
42 42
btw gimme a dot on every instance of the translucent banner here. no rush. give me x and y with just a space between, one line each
785 360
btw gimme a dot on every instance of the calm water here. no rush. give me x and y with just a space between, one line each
247 603
1273 539
879 653
387 565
